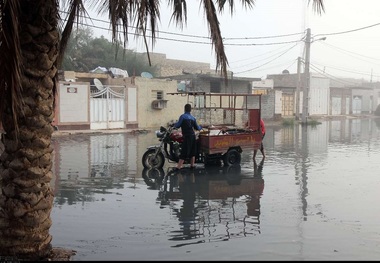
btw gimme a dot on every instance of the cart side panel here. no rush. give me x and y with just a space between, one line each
254 119
212 144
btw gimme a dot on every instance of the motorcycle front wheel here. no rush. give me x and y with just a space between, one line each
149 160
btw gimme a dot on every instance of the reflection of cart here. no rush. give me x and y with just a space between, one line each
213 204
232 122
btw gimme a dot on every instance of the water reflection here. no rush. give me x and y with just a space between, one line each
212 204
320 183
87 165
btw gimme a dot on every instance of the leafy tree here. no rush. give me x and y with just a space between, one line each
79 40
31 49
84 53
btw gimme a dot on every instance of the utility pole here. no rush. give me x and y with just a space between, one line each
305 99
298 88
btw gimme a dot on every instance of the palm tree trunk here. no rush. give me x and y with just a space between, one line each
26 198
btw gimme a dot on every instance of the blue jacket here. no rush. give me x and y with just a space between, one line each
188 123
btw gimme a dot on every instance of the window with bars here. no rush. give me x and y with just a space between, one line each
158 94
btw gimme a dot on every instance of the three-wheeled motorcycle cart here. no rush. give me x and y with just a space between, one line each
231 124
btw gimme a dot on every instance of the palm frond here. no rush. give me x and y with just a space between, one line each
318 6
148 10
10 60
179 15
216 36
246 4
75 14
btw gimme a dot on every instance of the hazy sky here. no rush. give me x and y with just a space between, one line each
269 38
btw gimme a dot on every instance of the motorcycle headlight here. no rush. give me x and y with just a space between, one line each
159 134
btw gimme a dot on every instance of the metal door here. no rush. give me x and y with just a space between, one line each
336 105
107 108
357 105
287 105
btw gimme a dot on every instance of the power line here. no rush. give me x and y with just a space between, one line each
348 31
259 55
227 39
266 58
195 42
337 79
349 71
350 52
267 62
191 36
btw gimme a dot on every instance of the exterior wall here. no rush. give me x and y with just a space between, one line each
367 99
173 67
319 93
277 103
376 96
227 109
149 117
268 105
200 85
340 96
237 87
72 110
218 116
204 84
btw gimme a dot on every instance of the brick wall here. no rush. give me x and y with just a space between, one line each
173 67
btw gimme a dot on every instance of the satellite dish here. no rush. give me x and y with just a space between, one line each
146 75
98 84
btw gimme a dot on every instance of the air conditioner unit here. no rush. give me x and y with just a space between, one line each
159 104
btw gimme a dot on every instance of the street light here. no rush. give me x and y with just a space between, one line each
305 99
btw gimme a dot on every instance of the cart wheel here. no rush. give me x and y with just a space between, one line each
231 157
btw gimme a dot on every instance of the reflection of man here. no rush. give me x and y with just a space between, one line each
187 214
188 124
253 206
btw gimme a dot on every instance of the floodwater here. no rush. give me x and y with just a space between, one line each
315 197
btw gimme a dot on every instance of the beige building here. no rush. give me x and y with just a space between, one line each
146 103
142 102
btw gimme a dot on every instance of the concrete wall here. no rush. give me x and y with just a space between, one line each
172 67
367 99
268 105
72 109
340 95
149 117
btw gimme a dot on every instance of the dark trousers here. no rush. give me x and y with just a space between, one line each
189 147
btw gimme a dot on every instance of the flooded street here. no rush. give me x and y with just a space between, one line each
313 198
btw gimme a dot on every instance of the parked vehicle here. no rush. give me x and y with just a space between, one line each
169 148
216 143
224 145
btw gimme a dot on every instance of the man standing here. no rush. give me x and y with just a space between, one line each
262 129
188 124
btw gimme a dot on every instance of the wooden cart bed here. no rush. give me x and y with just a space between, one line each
220 143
